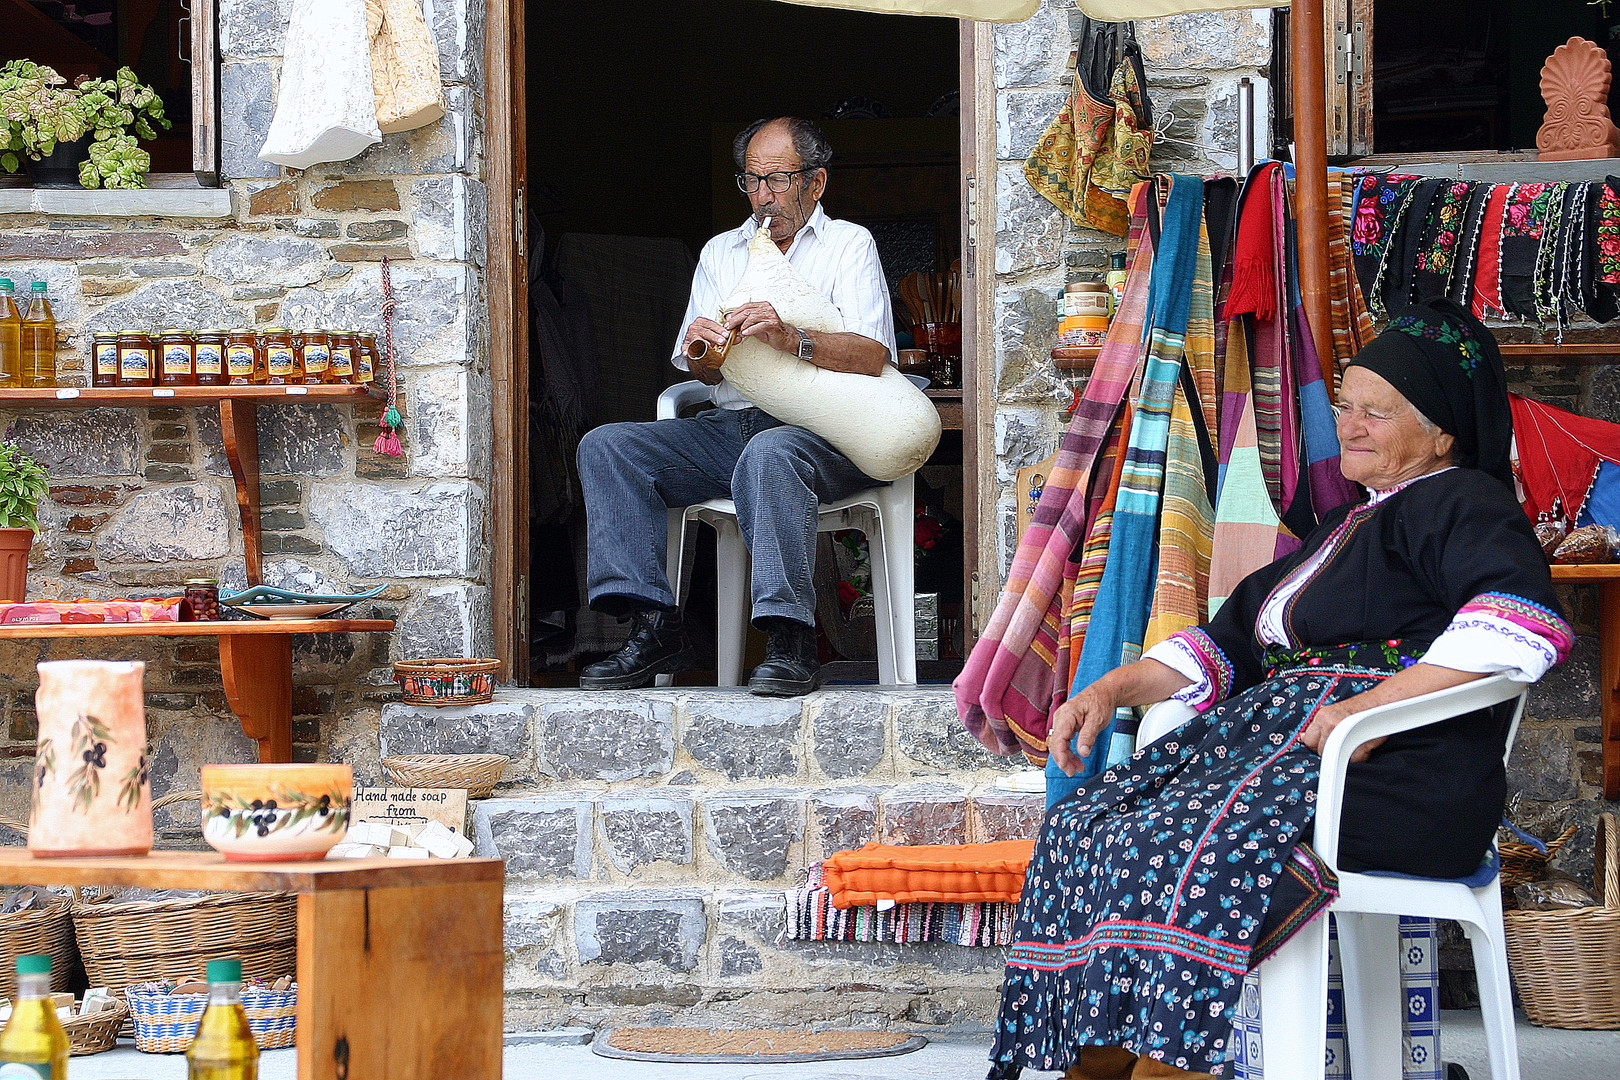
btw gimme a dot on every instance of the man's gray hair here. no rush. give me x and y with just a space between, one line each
808 141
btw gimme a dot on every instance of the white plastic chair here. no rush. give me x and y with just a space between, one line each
885 514
1293 980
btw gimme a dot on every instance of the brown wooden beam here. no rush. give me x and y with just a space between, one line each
1309 76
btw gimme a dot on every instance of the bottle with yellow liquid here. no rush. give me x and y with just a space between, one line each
10 338
224 1048
33 1044
38 340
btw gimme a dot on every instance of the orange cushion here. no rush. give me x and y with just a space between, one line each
928 873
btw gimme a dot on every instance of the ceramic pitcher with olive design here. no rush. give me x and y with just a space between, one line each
91 795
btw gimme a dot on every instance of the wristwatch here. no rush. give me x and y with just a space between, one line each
807 348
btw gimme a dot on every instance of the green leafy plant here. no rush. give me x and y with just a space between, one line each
38 110
23 482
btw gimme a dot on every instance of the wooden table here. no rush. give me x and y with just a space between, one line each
255 663
1607 579
399 961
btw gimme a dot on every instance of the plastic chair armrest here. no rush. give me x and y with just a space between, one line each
1385 720
677 397
1163 718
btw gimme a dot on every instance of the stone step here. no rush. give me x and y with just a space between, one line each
703 736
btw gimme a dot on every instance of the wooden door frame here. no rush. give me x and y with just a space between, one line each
506 291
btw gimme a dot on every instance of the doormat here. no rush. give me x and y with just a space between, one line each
747 1046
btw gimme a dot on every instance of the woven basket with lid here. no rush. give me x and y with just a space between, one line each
478 773
46 931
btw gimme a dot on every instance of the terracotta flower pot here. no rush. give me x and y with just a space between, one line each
91 791
14 548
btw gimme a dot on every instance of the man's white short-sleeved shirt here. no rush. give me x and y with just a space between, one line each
839 258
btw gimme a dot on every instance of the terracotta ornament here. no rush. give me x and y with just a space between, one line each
91 792
1575 85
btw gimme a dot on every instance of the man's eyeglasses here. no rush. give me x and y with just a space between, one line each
778 182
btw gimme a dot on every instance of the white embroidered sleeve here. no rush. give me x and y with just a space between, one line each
1174 653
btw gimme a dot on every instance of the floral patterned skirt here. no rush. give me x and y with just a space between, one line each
1160 882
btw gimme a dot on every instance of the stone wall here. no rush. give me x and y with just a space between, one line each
142 498
1193 65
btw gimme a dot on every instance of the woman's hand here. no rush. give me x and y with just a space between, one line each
1085 714
1331 716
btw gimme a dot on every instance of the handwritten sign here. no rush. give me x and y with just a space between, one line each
404 807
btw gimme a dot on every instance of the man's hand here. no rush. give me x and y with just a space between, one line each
707 369
1087 713
1331 716
758 319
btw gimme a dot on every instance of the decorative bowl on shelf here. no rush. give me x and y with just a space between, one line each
269 602
273 813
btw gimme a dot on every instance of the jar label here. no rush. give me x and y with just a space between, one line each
342 360
19 1070
107 360
315 359
177 360
134 363
240 360
208 359
279 359
365 374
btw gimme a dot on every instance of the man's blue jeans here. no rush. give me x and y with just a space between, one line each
775 473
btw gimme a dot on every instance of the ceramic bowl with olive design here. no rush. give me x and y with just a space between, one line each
272 813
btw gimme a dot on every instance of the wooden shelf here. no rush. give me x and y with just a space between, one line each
399 960
232 628
68 396
1606 576
1590 574
1575 352
1085 361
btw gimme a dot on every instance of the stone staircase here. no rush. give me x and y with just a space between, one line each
649 837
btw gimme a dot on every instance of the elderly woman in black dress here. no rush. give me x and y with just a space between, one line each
1159 883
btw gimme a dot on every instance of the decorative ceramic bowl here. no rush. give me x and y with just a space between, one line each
272 813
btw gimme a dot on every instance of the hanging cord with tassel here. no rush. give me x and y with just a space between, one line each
390 420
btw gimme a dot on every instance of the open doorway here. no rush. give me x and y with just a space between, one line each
631 111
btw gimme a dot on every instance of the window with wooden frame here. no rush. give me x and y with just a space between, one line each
1442 79
170 44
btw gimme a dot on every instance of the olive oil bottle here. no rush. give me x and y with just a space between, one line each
224 1048
10 337
33 1044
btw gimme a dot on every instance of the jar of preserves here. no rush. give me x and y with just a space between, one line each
202 597
314 355
365 362
179 358
210 356
104 358
343 350
241 357
134 358
280 358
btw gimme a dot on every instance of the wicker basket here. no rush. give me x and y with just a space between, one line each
1522 862
96 1032
135 941
47 931
166 1023
1566 964
447 680
478 773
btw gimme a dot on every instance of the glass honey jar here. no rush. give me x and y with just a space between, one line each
177 351
134 358
104 358
314 355
210 357
280 358
343 349
365 362
241 357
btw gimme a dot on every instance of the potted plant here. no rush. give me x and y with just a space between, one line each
23 482
83 134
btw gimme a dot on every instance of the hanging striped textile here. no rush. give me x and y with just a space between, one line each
1010 684
1119 615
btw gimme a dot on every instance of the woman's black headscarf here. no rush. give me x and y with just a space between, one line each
1446 364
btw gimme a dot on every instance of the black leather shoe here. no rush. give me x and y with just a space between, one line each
790 667
658 645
